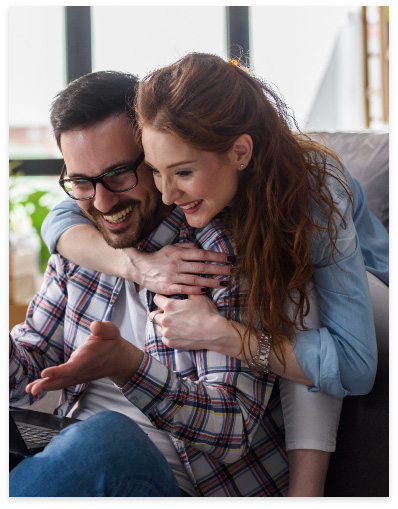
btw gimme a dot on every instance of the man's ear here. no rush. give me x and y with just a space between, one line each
242 150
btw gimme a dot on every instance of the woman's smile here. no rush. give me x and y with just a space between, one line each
190 207
182 173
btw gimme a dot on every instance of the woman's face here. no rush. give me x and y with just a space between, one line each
201 183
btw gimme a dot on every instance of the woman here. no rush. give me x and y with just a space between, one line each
289 231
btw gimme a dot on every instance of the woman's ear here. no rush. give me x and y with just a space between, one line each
243 150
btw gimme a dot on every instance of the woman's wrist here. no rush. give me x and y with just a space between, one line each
128 265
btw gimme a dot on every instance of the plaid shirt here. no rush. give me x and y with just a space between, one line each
225 421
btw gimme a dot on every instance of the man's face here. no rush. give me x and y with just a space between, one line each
123 218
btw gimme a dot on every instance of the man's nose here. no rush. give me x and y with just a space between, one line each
170 192
104 199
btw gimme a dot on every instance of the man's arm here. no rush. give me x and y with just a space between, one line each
38 342
207 411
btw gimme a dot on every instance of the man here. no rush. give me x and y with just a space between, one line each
213 425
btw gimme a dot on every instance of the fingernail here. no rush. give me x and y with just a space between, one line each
224 283
204 290
231 258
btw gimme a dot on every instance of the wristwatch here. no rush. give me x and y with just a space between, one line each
260 361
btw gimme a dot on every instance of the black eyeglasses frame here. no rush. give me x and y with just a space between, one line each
99 179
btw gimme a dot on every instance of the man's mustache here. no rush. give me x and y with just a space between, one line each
114 210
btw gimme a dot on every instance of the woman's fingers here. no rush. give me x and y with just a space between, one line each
204 268
193 253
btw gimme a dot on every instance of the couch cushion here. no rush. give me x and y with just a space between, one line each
366 156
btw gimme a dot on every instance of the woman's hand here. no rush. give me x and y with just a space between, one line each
178 269
194 324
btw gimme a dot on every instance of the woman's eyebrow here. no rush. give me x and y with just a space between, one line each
180 163
173 165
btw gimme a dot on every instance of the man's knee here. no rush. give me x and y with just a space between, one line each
106 437
118 458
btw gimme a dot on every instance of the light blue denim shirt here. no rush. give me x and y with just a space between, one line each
341 357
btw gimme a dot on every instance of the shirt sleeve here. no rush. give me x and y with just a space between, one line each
340 358
373 237
212 401
38 343
62 217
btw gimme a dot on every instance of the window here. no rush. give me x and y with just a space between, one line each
36 74
139 39
313 56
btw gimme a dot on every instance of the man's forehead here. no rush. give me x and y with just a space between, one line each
92 150
115 125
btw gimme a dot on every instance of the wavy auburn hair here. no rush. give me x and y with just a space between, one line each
208 103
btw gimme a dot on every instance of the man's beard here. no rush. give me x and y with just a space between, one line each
132 234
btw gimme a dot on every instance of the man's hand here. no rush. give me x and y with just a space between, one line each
104 354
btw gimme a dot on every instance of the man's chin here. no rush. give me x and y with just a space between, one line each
119 239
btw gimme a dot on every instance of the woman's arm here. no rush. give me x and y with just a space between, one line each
340 356
171 270
207 329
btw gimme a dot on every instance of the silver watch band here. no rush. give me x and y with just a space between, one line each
260 361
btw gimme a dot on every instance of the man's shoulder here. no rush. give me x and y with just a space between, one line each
167 232
216 235
70 271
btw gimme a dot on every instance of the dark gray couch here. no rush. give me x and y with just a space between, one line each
360 465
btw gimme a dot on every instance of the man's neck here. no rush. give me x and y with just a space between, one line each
161 214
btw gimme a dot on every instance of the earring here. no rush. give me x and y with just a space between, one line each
242 166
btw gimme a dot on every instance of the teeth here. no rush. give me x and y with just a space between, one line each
191 205
120 216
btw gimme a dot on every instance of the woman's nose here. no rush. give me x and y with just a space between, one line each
170 192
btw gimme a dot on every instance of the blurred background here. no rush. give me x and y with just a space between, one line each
330 64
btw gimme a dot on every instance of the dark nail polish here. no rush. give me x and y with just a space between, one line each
204 290
224 283
231 258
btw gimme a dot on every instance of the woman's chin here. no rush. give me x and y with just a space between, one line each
197 222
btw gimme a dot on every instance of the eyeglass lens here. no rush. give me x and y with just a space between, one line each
117 181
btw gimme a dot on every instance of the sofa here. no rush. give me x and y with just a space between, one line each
360 465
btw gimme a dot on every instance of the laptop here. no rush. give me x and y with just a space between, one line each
30 431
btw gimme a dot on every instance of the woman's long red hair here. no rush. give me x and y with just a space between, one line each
209 103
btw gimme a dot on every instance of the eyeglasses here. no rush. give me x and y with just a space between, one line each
118 180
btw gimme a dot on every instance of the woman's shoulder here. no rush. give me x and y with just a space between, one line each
334 186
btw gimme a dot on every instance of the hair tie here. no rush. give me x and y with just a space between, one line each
236 63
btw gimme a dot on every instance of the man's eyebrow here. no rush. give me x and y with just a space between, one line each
173 165
115 166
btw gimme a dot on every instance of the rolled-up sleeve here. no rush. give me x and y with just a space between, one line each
340 358
62 217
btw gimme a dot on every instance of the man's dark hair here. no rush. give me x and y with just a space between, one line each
92 98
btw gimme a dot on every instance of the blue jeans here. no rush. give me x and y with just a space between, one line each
107 455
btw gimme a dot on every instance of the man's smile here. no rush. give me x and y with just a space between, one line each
119 217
